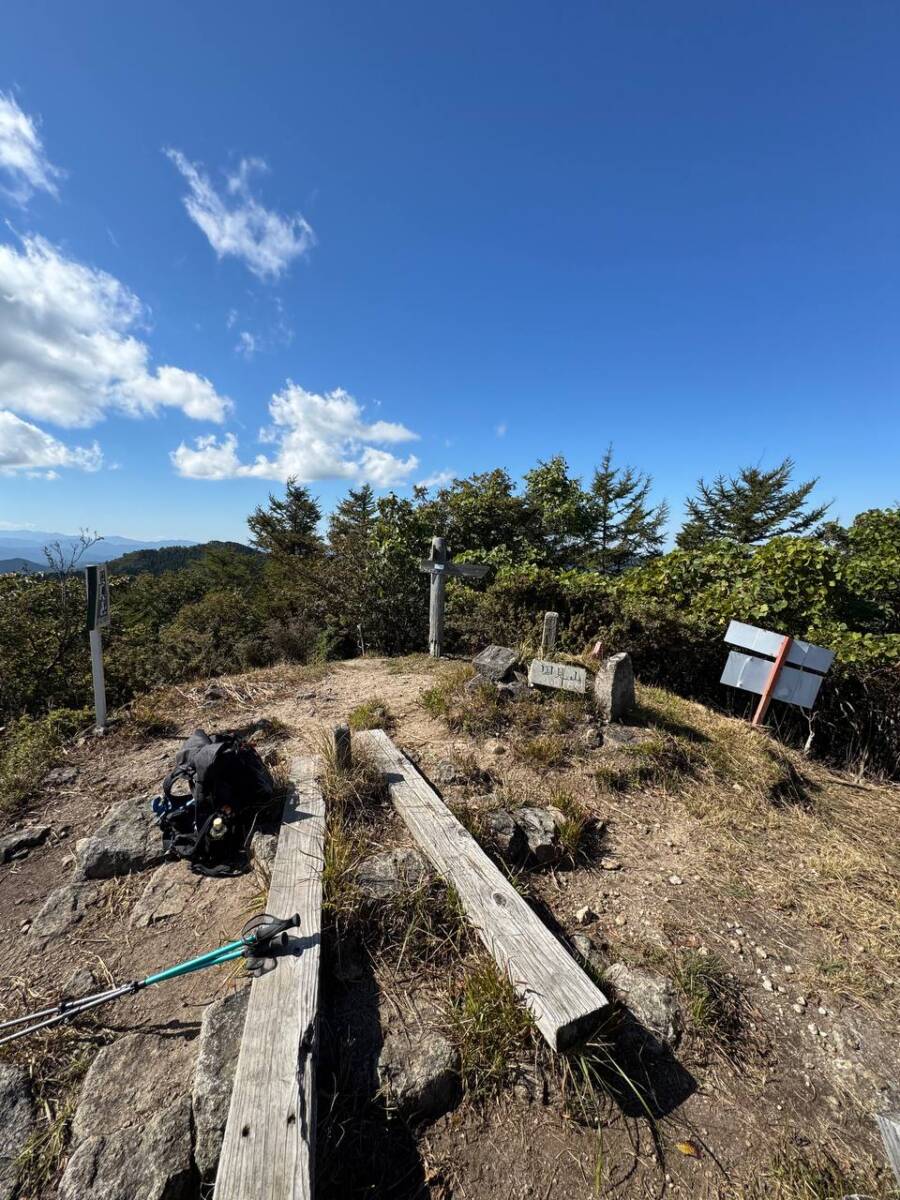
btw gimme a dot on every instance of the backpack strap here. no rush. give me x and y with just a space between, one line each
182 771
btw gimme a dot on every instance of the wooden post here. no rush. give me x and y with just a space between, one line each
548 638
96 640
436 601
565 1003
889 1125
343 749
766 698
270 1137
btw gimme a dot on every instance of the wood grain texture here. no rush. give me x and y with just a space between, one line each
889 1124
565 1003
436 601
269 1144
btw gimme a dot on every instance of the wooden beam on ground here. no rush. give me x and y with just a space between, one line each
270 1137
889 1124
565 1003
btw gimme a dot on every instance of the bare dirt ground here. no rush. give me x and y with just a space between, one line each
790 884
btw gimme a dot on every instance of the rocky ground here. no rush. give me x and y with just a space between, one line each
740 903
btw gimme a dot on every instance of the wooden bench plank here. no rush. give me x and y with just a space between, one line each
889 1124
269 1144
565 1003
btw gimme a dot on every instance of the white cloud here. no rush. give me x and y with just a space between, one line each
438 480
501 430
266 242
23 162
315 437
246 344
24 447
68 351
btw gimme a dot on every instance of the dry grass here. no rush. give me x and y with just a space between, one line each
371 714
799 1171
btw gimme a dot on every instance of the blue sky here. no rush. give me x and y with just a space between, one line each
396 241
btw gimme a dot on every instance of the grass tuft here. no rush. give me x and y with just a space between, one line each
371 714
490 1026
712 998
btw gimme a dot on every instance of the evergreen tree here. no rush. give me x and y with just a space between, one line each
627 528
481 515
287 528
750 508
559 514
351 529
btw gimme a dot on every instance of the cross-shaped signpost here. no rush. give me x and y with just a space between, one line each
439 568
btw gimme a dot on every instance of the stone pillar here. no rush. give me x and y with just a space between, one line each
614 687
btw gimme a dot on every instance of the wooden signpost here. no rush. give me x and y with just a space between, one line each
439 568
557 675
97 617
792 671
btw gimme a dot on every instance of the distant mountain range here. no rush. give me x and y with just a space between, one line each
26 546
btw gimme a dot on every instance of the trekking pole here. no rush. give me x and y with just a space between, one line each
258 935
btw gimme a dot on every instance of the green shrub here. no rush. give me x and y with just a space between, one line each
29 748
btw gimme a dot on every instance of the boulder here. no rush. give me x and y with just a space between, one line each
129 1080
61 912
650 998
17 844
418 1073
495 662
220 1043
151 1161
127 840
60 776
614 687
16 1123
391 873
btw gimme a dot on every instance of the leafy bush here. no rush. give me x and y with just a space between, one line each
29 748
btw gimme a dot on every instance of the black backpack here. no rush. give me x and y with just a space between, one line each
229 786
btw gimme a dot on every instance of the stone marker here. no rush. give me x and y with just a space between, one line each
495 662
557 675
614 687
548 637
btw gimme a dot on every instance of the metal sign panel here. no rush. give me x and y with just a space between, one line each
557 675
763 641
97 596
752 674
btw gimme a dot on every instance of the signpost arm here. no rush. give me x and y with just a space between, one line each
436 606
766 698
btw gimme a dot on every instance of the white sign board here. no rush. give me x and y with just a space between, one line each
557 675
752 674
762 641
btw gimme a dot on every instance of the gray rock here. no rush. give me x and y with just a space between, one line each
614 687
513 689
130 1080
60 776
477 684
495 662
16 1123
391 873
650 998
80 983
419 1074
166 895
126 841
508 837
17 844
220 1043
264 847
588 950
151 1161
213 692
590 738
61 912
539 826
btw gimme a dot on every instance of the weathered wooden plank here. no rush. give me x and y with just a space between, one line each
436 599
548 636
564 1001
889 1124
557 675
269 1144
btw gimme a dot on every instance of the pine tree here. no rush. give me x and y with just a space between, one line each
750 508
627 528
351 529
558 513
287 528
